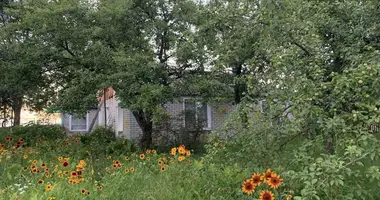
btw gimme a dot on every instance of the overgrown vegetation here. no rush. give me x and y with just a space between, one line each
311 66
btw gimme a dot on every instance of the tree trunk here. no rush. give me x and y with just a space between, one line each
17 106
238 89
144 119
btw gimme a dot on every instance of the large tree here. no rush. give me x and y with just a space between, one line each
25 64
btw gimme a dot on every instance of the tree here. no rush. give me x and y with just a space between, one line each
24 63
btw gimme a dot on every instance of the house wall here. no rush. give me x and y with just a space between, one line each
175 111
66 119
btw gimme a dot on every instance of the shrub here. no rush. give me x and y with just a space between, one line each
32 133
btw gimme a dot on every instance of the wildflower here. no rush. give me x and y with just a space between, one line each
148 158
51 198
289 197
163 169
160 162
43 165
8 139
82 163
181 158
188 153
108 157
26 167
256 178
248 187
116 162
182 149
148 151
60 175
275 181
25 156
60 159
126 170
65 164
154 151
83 191
142 156
173 151
267 175
126 158
266 195
100 188
73 174
132 169
48 187
34 162
88 193
65 172
40 182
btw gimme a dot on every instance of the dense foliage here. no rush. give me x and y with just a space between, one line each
312 66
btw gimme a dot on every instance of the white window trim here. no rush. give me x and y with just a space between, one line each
70 129
209 120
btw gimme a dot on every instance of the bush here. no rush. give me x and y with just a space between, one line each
32 133
102 141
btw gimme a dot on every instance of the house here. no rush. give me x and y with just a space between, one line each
184 113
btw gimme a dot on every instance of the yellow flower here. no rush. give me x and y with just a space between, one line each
274 181
51 198
248 187
48 187
25 156
266 195
142 156
256 178
173 151
182 149
60 158
181 158
188 153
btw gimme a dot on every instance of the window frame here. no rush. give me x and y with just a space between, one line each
77 130
208 126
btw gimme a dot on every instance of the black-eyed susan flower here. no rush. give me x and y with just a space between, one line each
88 193
266 195
65 163
188 152
289 197
100 188
154 151
267 175
182 149
48 187
34 162
275 181
248 187
181 158
73 174
25 156
173 151
60 158
40 182
163 169
256 178
142 156
148 158
126 170
26 167
83 191
160 162
132 169
148 151
126 158
43 165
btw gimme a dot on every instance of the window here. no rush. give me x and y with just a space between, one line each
197 115
78 123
